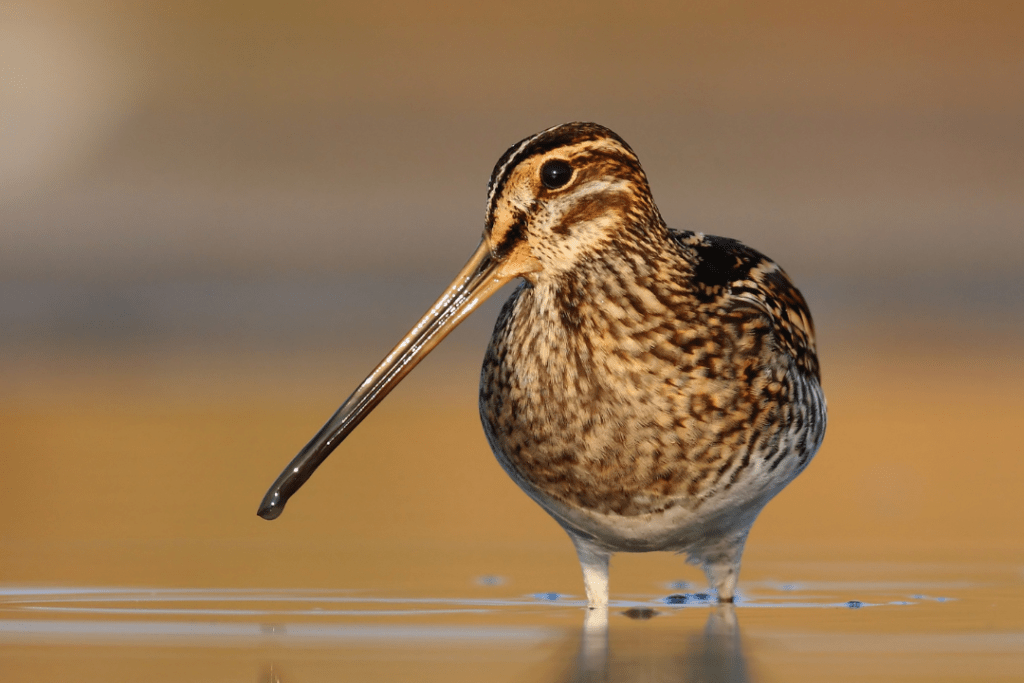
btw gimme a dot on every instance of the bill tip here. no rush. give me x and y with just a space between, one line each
271 507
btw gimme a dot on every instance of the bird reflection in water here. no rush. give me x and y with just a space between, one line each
642 654
716 654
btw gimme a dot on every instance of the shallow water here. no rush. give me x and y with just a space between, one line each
934 627
130 548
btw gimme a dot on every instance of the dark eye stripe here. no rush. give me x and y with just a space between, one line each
515 233
541 143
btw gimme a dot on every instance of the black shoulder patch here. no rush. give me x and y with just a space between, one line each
728 271
720 262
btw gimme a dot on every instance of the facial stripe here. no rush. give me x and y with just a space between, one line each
502 169
566 135
588 206
516 231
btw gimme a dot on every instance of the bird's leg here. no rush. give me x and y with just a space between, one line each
594 562
722 566
723 578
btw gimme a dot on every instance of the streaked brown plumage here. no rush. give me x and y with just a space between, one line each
651 389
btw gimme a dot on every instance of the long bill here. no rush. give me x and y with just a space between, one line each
481 277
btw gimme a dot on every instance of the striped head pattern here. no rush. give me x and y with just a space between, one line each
564 195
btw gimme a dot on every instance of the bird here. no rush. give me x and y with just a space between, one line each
651 389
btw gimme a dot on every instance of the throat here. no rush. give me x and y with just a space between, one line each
613 302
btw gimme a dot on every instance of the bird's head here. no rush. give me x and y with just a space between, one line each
565 196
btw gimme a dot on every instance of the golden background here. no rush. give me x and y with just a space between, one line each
216 217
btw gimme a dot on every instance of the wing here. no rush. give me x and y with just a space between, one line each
728 270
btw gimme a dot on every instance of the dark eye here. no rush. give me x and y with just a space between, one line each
555 173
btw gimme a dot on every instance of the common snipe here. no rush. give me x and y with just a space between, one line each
650 389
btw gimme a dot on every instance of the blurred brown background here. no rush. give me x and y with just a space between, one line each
215 217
